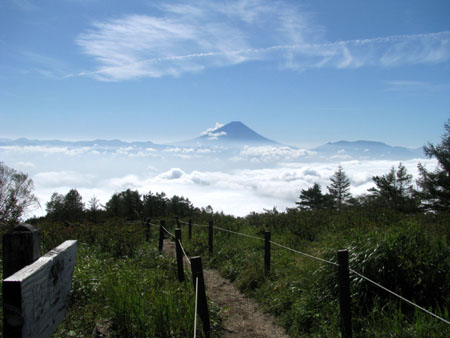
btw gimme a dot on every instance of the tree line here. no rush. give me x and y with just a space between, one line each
394 190
128 204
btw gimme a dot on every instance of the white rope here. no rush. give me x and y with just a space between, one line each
184 252
397 295
171 234
335 264
195 311
238 233
156 225
133 222
184 222
305 254
200 225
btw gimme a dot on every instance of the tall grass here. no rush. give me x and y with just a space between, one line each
408 254
125 284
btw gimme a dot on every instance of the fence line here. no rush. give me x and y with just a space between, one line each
171 234
334 264
238 233
305 254
397 295
197 272
199 225
184 252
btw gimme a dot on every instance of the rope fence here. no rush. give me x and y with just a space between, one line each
184 252
305 254
171 234
397 295
342 266
330 263
238 233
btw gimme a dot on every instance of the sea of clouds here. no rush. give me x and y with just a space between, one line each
254 179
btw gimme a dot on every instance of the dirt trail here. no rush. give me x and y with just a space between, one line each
243 317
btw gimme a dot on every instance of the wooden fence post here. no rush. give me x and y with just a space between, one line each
344 294
210 237
179 255
147 229
202 302
161 234
190 229
21 247
267 236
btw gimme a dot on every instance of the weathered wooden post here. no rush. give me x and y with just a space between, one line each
203 312
35 298
344 294
190 229
147 229
179 253
210 237
161 234
21 247
267 236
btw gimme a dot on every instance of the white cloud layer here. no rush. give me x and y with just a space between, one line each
236 192
193 36
272 154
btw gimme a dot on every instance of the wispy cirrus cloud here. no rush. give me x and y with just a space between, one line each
415 86
192 36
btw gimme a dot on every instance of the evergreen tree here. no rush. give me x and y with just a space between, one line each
394 190
339 188
113 206
435 184
73 206
312 198
94 209
55 207
127 204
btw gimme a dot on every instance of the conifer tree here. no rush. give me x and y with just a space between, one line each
394 190
312 198
339 188
436 184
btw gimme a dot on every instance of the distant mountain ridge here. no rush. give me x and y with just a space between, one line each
368 150
234 137
115 143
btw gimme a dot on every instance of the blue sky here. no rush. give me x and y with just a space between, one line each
299 72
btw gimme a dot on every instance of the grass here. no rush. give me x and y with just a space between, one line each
408 254
124 285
